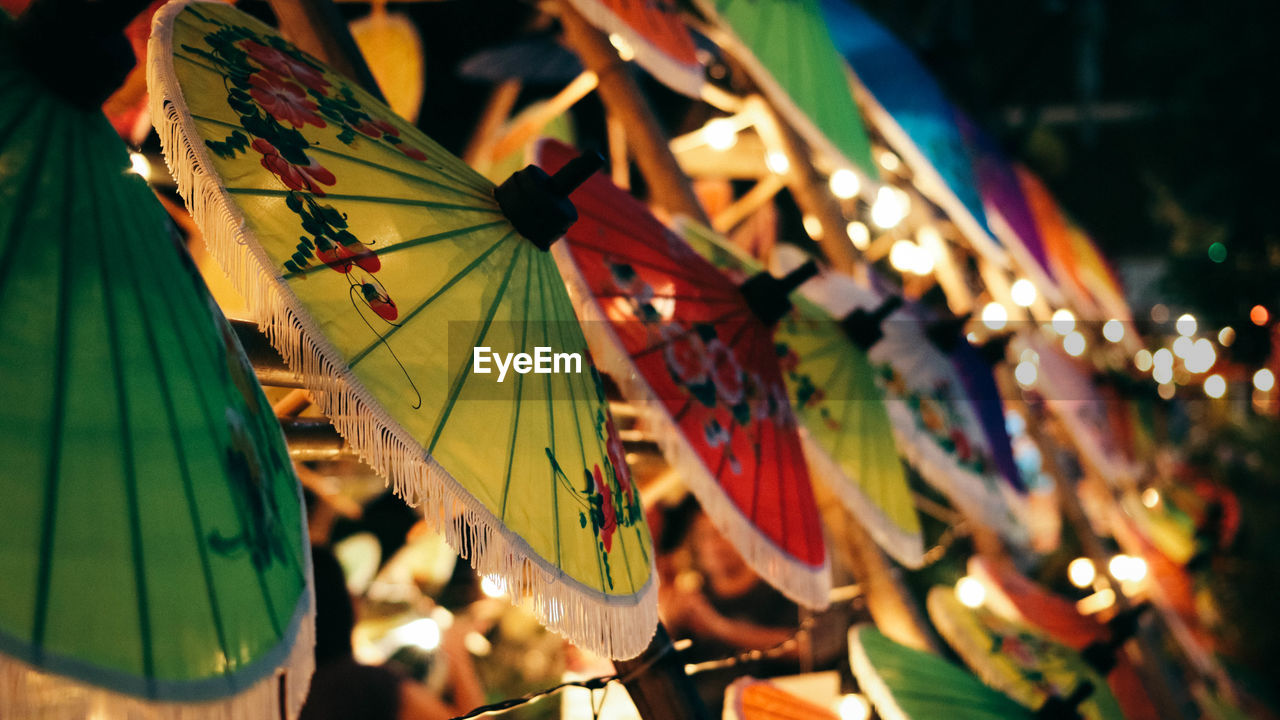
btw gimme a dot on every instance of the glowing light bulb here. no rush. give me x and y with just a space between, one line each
1264 380
1026 373
1185 325
1113 330
844 183
1142 360
1074 343
777 163
890 207
1227 336
1023 292
902 256
493 586
854 707
812 226
1063 321
1215 386
619 43
1159 313
1259 316
994 316
1202 356
1182 346
889 161
1119 567
859 235
1150 497
721 134
1166 391
139 165
970 592
1163 358
1081 572
1162 374
423 633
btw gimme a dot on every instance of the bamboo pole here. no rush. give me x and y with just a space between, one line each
658 685
669 188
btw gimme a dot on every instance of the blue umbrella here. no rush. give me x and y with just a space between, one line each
915 117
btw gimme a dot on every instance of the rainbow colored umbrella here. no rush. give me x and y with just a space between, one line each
698 353
1016 660
847 436
652 32
153 545
935 422
915 117
907 684
388 275
787 48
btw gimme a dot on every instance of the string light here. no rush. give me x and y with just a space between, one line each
844 183
1023 292
812 226
493 586
1063 321
1142 360
994 316
1264 380
139 165
1162 374
1026 373
1186 325
1215 386
1202 356
1081 572
1159 313
970 592
1166 391
1163 358
720 134
890 207
619 43
1227 336
1259 316
859 235
1113 330
1074 343
1150 497
854 707
777 162
1182 346
889 161
1127 568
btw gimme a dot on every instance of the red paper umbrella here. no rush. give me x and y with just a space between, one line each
697 352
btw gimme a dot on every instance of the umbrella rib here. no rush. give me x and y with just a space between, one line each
379 200
456 387
577 423
675 271
551 435
127 451
443 289
515 423
47 523
405 245
176 435
367 163
22 206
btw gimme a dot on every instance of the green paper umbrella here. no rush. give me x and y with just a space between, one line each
153 557
847 437
386 273
907 684
1016 660
786 47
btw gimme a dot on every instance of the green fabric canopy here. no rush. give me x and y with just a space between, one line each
152 536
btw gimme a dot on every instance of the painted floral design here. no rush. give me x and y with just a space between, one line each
283 100
935 413
306 178
726 373
686 354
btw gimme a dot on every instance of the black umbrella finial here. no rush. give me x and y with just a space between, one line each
1101 655
766 295
945 334
866 327
537 204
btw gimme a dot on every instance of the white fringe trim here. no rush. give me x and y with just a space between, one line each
904 546
804 584
973 653
613 626
27 692
684 79
965 488
869 680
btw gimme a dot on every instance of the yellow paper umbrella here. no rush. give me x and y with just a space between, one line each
390 278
